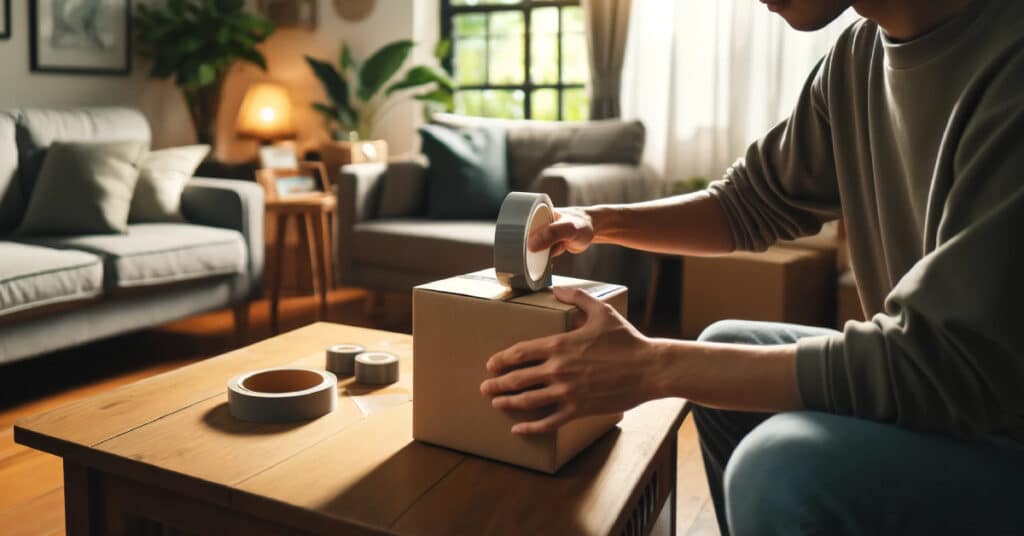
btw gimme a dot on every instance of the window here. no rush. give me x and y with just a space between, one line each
518 59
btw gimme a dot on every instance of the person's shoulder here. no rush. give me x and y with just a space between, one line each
857 40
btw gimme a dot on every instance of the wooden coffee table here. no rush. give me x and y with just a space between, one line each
163 454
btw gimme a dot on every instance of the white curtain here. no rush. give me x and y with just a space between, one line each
707 78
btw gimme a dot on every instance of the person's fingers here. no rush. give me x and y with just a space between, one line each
580 298
546 425
551 234
558 249
517 380
520 353
533 399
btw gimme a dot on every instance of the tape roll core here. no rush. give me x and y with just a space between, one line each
282 395
515 265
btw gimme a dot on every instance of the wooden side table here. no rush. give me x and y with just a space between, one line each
312 215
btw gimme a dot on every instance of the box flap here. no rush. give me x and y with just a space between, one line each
484 284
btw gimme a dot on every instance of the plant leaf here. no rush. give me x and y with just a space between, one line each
419 76
347 60
381 67
442 49
205 74
335 86
438 96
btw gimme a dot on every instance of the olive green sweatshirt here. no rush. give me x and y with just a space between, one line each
919 147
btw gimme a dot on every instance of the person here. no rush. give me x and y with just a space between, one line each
911 130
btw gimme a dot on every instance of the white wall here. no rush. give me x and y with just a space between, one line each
163 104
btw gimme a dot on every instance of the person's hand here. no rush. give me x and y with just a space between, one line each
603 366
572 230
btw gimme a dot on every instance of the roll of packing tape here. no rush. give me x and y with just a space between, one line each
515 265
282 395
377 368
341 358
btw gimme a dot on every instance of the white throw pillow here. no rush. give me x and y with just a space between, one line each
162 179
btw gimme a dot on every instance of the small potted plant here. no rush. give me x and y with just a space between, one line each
196 42
359 96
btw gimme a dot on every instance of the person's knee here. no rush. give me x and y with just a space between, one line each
728 331
777 478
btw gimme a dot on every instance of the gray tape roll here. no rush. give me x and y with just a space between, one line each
377 368
514 264
282 395
341 358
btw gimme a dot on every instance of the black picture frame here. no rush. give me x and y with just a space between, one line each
5 30
37 66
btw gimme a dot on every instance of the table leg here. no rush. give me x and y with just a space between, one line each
277 273
314 264
652 293
78 517
326 250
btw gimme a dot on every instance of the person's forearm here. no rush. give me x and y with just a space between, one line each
691 224
727 376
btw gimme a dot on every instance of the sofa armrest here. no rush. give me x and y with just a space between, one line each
592 184
230 204
361 189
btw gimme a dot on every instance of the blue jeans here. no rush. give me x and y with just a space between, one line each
811 473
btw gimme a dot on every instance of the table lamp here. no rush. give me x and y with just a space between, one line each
265 114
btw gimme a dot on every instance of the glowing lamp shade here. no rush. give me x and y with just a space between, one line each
266 113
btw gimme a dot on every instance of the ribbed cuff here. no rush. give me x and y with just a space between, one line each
724 191
813 372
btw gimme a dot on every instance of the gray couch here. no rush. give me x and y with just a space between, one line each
61 291
384 241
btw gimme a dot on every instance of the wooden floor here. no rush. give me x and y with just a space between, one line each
31 489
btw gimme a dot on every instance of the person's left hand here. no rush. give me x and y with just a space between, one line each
603 366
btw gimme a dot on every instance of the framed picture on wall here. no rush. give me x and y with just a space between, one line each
80 36
5 19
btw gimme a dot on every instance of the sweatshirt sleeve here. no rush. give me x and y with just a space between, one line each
784 187
948 354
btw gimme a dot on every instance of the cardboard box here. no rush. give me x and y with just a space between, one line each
782 284
458 323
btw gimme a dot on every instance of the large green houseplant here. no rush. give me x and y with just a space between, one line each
354 90
196 42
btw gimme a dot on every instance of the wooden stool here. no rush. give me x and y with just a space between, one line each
312 213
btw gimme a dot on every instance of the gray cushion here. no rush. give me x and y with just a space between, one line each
162 178
33 276
159 253
12 203
39 128
432 246
84 188
535 145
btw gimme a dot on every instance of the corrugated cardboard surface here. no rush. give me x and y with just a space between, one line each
779 285
458 324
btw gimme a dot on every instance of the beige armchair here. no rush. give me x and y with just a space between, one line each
384 242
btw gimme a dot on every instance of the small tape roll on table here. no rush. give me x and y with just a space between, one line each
515 265
376 368
282 395
341 358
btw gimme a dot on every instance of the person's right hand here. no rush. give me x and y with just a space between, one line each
572 231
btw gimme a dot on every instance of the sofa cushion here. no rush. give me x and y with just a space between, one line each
431 246
39 128
535 145
33 276
162 178
160 253
467 177
84 188
12 204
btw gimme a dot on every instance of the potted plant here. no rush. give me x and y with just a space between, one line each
196 42
358 99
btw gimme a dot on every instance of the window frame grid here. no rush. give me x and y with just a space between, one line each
448 13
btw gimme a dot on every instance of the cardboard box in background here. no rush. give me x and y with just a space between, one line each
782 284
458 323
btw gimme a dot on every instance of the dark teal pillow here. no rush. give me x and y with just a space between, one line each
467 177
